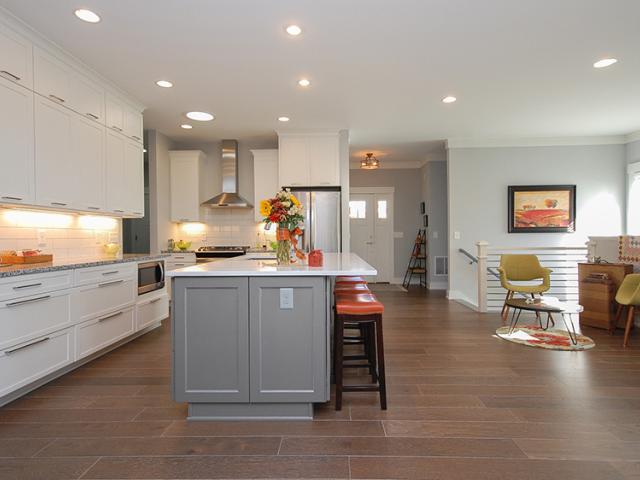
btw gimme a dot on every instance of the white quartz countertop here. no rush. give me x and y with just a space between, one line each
265 265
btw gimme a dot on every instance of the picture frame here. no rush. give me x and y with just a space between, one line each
542 208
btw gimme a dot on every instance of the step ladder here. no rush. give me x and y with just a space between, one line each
418 261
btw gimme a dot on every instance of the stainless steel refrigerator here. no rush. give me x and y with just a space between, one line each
322 215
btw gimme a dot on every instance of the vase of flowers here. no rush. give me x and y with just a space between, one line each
284 211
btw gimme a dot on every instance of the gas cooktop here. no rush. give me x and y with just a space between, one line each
220 251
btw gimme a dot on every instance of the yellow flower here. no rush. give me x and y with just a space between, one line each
295 201
265 208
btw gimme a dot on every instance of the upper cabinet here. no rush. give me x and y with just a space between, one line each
310 159
52 77
123 118
132 123
186 177
88 98
16 138
115 113
265 177
16 57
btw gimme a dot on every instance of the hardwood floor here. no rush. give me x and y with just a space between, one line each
462 405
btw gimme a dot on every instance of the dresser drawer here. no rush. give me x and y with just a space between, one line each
25 363
28 285
106 297
151 311
33 316
99 333
105 273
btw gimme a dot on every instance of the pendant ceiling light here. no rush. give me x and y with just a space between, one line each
370 162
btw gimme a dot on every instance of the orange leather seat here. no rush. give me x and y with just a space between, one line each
351 288
350 280
358 304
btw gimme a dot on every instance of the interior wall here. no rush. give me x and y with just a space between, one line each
161 227
633 152
478 181
407 218
434 194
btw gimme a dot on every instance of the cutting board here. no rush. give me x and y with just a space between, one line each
16 259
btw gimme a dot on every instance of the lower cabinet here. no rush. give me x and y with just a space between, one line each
151 311
101 332
236 342
26 362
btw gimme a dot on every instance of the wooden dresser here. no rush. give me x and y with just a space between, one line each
597 298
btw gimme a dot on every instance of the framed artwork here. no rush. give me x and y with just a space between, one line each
542 208
422 208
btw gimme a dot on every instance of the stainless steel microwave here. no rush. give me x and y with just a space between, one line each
150 276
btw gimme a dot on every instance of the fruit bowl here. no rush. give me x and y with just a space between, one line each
111 249
182 245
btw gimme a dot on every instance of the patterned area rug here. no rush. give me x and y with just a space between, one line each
534 336
629 249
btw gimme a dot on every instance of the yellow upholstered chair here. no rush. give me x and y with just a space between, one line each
522 268
628 296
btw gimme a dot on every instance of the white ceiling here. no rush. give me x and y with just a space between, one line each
378 67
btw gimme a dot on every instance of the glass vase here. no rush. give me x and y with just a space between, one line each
283 249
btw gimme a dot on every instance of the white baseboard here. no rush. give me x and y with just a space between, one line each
458 297
438 285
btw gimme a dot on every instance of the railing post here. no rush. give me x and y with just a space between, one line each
482 275
591 250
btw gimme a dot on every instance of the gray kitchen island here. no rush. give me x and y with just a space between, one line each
251 339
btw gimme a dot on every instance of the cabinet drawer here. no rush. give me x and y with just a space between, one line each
28 285
33 316
151 311
25 363
106 297
187 257
87 276
175 265
97 334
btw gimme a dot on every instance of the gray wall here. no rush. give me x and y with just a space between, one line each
633 152
478 180
406 212
161 228
434 194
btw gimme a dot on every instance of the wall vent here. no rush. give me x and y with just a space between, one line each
441 265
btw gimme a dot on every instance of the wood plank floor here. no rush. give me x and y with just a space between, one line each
462 405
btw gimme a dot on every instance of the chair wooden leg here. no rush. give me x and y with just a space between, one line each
533 297
381 375
627 329
614 325
338 358
505 307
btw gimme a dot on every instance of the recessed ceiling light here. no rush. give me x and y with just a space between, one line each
304 82
294 30
186 126
200 116
449 99
164 83
87 15
605 62
283 119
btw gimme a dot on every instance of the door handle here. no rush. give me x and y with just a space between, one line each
12 198
10 75
113 315
31 285
8 352
56 98
106 284
30 300
91 115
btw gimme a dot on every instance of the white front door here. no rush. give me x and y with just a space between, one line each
371 219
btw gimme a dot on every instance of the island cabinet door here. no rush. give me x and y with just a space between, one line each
211 340
288 339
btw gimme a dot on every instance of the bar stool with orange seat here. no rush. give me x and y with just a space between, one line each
351 280
365 310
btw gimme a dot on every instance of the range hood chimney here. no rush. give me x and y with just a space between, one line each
229 197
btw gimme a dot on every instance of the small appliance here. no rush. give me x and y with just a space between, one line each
150 276
218 252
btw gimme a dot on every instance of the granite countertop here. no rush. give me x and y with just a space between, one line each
24 269
265 265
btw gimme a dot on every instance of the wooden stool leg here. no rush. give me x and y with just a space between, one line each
371 340
627 330
338 358
612 328
380 350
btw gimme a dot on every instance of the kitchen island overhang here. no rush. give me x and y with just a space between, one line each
251 339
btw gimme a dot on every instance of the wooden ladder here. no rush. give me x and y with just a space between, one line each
417 261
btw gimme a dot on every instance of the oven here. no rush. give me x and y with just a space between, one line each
150 276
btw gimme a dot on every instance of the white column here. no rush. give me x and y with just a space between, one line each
482 275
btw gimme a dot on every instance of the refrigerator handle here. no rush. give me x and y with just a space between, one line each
312 221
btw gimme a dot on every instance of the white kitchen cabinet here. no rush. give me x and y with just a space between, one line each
265 177
186 175
114 172
88 98
16 57
115 112
87 159
103 298
133 123
55 178
52 77
151 310
134 178
16 138
308 159
99 333
31 285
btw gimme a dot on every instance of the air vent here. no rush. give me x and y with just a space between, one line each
442 265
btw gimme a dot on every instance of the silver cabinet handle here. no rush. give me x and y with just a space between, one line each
119 211
135 137
10 75
179 258
57 98
9 352
116 128
20 287
89 114
113 272
106 284
30 300
155 300
108 317
59 204
12 198
94 208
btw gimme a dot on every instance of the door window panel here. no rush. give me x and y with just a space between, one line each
382 209
357 209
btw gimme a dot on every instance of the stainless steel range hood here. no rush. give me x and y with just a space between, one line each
229 197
